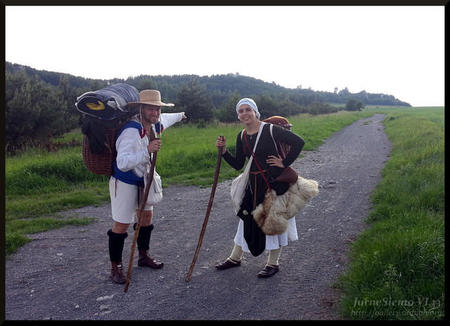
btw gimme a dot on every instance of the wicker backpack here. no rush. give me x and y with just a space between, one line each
99 148
284 123
104 111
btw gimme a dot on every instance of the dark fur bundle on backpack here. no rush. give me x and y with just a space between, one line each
95 131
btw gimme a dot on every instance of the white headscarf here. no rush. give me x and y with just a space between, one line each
251 103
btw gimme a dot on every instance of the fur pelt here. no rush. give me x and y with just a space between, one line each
273 213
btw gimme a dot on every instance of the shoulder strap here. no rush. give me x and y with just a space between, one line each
274 142
130 124
159 128
259 134
249 163
253 153
256 142
257 138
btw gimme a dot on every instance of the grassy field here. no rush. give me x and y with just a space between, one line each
39 184
397 269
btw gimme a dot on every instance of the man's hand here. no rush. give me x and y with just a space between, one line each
184 116
154 145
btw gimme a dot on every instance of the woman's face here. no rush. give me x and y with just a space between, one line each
246 114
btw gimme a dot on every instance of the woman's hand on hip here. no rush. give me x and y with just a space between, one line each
273 160
222 142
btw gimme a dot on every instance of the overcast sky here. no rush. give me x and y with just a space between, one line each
396 50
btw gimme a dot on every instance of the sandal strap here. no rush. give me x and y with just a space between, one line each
233 261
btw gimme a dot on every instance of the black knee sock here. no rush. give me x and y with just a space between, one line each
143 240
116 241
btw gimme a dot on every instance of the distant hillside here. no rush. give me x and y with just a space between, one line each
219 87
40 104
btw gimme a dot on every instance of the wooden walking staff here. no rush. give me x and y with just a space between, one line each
208 211
140 209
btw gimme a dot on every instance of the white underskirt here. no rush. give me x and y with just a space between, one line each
272 241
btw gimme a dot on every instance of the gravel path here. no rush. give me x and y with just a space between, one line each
63 274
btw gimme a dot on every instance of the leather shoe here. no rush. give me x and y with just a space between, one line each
268 271
228 264
116 273
147 261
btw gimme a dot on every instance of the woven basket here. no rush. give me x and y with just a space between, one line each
101 163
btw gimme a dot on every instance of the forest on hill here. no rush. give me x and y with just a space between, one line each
40 103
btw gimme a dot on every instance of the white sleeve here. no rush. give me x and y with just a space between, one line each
129 153
169 119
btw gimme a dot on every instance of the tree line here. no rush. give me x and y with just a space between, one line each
40 104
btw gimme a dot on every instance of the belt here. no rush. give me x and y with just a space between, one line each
258 172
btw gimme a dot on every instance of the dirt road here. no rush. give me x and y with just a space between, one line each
63 274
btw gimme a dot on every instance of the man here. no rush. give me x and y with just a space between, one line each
136 142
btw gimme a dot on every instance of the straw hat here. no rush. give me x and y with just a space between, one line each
151 97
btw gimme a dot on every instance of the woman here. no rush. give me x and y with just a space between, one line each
249 237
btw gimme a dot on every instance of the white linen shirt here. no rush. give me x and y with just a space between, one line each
132 152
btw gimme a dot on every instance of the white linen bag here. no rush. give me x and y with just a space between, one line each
155 193
238 186
239 183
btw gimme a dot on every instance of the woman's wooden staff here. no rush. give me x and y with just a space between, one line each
208 211
141 208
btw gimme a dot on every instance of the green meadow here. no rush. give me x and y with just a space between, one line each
397 264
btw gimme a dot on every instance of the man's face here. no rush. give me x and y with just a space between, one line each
151 113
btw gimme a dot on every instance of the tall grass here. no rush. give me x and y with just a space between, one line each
397 269
189 154
43 183
38 184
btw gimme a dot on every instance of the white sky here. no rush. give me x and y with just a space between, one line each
396 50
